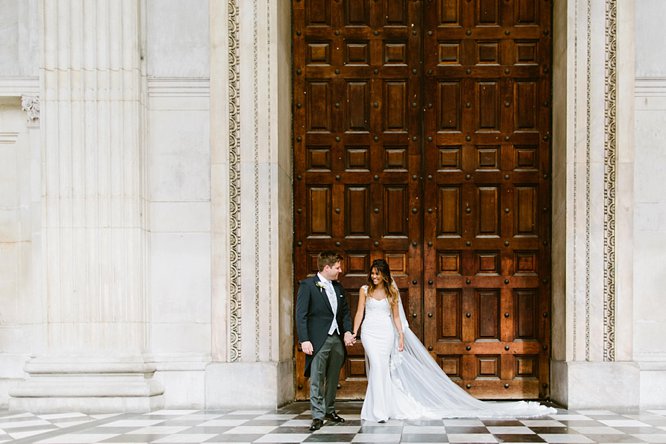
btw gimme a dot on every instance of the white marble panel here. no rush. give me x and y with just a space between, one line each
184 217
248 385
179 156
649 272
180 337
177 38
647 217
183 389
9 225
649 337
602 384
650 35
9 34
653 385
19 34
9 175
180 277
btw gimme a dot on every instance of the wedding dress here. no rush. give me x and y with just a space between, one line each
410 384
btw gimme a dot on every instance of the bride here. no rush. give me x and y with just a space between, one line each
404 381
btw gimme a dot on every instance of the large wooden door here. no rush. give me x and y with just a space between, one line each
421 136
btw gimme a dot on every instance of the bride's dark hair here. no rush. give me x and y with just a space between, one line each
385 272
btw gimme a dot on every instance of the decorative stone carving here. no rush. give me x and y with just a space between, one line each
610 178
30 104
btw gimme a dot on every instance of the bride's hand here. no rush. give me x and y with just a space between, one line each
401 343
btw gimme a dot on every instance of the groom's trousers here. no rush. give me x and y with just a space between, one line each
324 375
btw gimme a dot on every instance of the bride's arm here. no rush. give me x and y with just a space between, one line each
360 310
398 326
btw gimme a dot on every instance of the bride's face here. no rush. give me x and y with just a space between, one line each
376 277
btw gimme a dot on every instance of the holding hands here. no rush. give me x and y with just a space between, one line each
350 339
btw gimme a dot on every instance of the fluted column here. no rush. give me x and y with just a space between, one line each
94 211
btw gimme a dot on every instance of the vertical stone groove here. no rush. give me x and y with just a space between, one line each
588 186
93 187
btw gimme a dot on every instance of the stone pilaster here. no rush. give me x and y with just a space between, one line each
94 213
592 157
251 205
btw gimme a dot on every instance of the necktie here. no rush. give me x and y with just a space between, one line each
330 292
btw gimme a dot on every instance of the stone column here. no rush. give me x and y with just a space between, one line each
94 213
592 205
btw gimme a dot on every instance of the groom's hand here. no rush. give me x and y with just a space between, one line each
349 339
307 347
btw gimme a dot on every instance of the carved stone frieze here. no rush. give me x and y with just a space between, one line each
30 104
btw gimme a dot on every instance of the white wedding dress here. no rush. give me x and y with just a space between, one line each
410 384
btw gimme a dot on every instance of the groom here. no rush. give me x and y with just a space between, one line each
322 321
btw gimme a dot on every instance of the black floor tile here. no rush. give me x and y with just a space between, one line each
330 437
466 429
554 430
502 422
519 438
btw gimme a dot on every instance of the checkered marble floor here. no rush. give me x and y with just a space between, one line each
290 425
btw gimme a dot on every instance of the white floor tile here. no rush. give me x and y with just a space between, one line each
377 437
158 430
596 412
249 412
471 437
297 423
18 415
104 415
251 430
224 422
8 426
597 430
623 423
78 438
186 438
653 438
567 417
424 429
29 433
52 416
277 416
283 437
561 438
171 412
463 422
133 423
64 425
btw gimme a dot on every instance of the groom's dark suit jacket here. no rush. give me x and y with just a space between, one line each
314 315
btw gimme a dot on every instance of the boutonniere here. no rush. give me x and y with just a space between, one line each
321 285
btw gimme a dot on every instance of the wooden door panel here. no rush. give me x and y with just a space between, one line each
357 212
421 135
357 152
487 134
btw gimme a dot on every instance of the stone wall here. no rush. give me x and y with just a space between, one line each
650 206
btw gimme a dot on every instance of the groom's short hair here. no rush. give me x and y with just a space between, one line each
327 258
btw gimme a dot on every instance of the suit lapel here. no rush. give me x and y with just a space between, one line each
322 292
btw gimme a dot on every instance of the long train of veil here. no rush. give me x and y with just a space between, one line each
418 376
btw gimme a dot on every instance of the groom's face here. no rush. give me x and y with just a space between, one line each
331 272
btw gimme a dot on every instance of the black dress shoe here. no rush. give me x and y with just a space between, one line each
316 424
335 417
